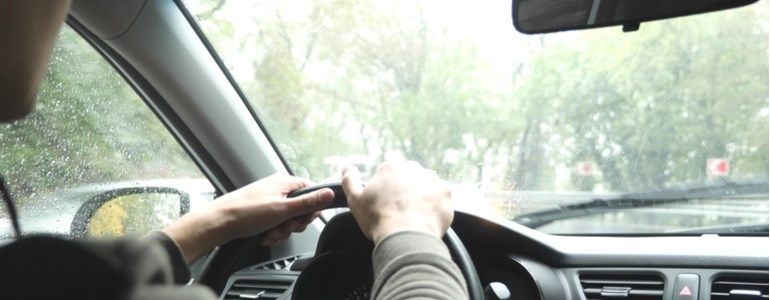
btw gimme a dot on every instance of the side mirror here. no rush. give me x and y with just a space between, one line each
129 211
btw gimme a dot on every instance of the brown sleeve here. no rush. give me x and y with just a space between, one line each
410 265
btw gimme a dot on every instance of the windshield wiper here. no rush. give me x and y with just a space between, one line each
724 189
728 229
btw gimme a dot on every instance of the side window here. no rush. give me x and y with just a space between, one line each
92 160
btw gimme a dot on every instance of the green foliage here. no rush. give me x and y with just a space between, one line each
647 108
364 77
88 127
134 214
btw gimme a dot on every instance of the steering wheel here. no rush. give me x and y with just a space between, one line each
453 243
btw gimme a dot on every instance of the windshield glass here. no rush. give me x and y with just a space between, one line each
522 125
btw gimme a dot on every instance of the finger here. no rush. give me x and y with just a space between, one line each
310 218
293 223
294 226
278 234
351 182
291 183
308 203
290 225
303 181
306 218
300 229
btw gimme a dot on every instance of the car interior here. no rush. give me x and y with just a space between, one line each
559 245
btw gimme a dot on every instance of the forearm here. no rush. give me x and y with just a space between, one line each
410 265
197 233
260 207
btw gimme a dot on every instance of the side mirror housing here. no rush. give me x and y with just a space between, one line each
129 211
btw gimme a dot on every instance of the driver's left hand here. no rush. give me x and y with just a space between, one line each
260 207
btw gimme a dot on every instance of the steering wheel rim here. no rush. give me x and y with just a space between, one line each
456 248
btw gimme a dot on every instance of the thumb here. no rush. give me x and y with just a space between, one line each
351 182
309 203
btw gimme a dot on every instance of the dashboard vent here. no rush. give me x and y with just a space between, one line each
740 287
281 264
621 286
257 289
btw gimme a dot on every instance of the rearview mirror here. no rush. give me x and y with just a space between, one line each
129 211
542 16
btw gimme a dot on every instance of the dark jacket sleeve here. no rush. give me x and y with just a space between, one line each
166 262
178 266
48 267
414 265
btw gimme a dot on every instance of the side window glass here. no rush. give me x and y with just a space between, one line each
92 160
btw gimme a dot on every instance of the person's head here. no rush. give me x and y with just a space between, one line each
28 30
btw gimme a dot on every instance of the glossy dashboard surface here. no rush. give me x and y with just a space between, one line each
534 265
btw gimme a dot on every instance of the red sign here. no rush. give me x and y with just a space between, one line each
717 167
584 168
685 291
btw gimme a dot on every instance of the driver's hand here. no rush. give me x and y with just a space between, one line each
260 207
401 196
263 206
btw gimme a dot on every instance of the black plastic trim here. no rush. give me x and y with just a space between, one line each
548 282
668 275
632 22
155 102
228 258
671 234
480 234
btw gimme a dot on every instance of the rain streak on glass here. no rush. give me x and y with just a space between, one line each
88 135
517 123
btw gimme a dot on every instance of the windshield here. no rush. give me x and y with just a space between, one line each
519 124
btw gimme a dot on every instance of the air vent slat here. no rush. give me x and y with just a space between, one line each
278 265
746 286
598 291
271 295
646 292
262 286
592 291
270 288
600 286
741 283
640 282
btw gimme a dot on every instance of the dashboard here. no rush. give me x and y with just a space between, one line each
515 262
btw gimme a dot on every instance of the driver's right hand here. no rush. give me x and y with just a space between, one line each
401 196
